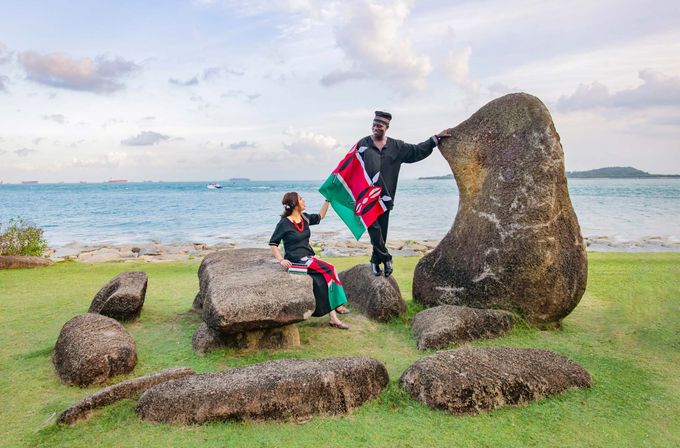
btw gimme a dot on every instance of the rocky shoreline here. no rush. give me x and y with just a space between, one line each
156 251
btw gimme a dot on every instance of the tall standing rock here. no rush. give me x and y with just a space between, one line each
515 243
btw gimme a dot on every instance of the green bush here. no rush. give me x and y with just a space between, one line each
19 237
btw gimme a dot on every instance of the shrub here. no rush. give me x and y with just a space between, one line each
19 237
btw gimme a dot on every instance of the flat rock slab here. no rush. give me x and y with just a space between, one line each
438 327
274 390
123 297
376 297
92 348
120 391
206 339
246 289
470 380
516 243
21 262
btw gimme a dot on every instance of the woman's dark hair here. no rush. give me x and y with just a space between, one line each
289 201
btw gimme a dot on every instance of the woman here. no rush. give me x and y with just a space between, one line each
293 229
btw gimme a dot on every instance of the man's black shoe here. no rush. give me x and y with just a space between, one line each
375 267
388 268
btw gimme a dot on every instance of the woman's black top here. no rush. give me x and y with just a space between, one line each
296 243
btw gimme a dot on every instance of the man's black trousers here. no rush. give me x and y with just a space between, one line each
378 233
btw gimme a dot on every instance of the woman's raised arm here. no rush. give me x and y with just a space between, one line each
324 208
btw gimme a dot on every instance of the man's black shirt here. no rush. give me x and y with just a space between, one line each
388 161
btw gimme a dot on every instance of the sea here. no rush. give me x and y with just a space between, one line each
614 214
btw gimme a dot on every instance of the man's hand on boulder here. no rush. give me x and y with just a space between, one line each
285 264
441 136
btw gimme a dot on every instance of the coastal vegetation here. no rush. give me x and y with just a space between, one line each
617 172
624 332
19 237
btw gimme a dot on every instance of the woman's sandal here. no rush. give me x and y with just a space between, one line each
344 310
340 326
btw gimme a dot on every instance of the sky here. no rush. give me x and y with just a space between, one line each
214 89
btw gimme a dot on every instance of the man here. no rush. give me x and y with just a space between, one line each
385 155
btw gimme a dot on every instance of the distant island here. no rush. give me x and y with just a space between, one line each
448 176
239 179
617 172
610 172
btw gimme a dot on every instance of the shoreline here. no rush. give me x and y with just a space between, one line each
156 251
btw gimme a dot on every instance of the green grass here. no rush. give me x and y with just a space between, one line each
625 332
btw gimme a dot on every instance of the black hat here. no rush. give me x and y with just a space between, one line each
383 117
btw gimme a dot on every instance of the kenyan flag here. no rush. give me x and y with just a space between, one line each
353 195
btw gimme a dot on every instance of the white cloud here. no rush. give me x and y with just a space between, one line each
112 159
4 80
310 146
372 37
57 118
24 152
145 138
101 75
5 54
214 72
186 83
243 144
457 68
656 89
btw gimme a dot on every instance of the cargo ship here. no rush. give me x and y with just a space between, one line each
29 181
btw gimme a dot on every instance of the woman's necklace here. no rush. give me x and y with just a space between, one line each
301 227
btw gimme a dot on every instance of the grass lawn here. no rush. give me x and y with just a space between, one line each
625 332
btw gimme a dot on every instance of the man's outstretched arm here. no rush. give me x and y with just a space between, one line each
415 153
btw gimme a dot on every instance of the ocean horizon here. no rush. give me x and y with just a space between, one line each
614 214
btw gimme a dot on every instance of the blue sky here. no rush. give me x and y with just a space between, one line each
193 90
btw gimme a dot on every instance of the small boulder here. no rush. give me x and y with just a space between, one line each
246 289
273 390
376 297
206 339
21 262
122 298
470 380
448 324
92 348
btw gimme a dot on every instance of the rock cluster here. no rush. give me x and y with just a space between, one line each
245 290
438 327
274 390
516 243
470 380
92 348
376 297
122 298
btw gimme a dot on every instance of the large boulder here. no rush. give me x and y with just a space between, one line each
516 243
206 339
22 261
470 380
376 297
443 325
274 390
92 348
246 289
126 389
122 298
